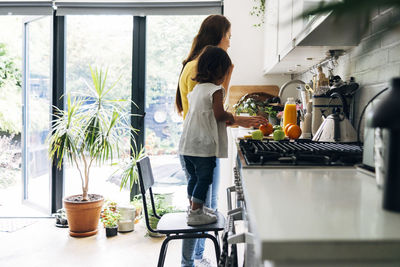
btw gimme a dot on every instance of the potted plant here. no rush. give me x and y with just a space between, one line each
90 131
256 104
61 218
137 203
163 206
109 217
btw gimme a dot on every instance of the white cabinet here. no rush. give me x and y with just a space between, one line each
271 56
285 15
293 44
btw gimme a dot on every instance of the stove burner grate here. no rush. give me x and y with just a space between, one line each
299 152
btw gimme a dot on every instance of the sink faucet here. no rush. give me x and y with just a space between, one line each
288 83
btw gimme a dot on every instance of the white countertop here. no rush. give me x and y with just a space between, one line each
319 214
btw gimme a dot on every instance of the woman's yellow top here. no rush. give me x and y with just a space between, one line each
186 84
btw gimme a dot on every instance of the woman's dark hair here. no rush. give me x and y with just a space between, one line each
211 32
212 66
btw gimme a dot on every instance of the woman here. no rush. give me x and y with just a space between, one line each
215 30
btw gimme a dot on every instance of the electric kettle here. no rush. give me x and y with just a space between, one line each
336 128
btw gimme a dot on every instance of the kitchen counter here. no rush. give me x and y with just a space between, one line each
321 215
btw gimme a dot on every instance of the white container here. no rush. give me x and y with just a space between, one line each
127 221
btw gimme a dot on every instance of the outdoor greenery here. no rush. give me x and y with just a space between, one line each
10 160
10 93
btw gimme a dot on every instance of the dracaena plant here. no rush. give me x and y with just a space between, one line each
90 131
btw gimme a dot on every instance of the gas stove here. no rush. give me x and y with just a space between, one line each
302 152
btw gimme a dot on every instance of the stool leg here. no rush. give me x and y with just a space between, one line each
217 237
217 248
163 252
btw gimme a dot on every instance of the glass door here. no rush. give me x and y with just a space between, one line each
36 112
168 42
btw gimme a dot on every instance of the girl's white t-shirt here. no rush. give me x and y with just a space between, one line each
202 135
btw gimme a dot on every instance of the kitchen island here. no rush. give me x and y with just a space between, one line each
319 216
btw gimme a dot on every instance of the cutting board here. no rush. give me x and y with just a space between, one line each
237 91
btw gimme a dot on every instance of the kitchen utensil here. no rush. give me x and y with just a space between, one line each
336 128
322 107
385 117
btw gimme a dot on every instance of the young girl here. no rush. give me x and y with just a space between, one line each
204 134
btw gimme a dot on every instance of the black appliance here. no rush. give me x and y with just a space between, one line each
302 152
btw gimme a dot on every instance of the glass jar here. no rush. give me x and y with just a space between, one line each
290 112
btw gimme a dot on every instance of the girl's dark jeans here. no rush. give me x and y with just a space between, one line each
200 171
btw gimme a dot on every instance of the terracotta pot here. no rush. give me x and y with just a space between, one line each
83 216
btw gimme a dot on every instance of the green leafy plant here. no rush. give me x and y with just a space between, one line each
162 207
61 217
91 129
128 169
258 10
254 107
110 215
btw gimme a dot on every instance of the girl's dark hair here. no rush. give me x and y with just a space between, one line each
212 66
211 32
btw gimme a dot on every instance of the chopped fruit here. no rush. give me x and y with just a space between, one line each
267 129
257 135
293 132
278 135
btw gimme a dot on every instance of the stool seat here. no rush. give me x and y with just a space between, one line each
171 223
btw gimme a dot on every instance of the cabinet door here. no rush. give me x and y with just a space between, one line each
284 26
298 22
271 35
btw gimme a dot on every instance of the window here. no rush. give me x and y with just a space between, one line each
168 42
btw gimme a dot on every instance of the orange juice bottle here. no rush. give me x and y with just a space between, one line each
290 112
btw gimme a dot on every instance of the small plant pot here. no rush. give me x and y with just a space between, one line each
153 224
111 231
61 222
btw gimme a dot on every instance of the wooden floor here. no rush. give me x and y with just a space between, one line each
42 244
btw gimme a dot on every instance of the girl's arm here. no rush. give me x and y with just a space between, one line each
221 115
218 107
251 121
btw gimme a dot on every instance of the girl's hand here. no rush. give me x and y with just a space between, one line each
252 121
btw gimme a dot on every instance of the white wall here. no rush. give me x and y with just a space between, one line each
246 49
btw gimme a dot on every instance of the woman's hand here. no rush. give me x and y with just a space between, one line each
251 121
